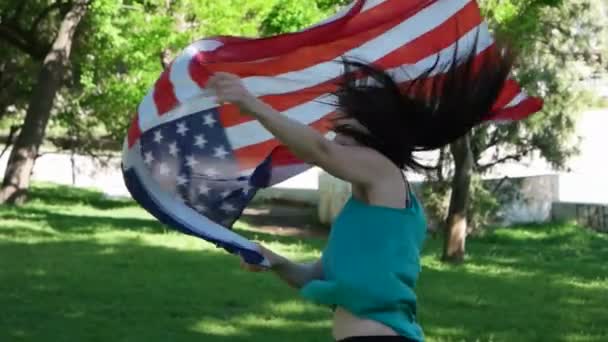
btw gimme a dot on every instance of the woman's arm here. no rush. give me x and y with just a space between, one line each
351 163
298 275
294 274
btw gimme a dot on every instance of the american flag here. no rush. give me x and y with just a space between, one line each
196 165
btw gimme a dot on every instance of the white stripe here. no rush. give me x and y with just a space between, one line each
517 99
178 211
369 4
147 111
252 132
193 106
185 87
186 90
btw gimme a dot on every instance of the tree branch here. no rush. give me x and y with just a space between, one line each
45 12
21 40
15 17
494 140
11 137
482 168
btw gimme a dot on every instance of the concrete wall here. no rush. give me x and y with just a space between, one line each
594 216
80 171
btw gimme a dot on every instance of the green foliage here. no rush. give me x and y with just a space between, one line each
120 59
294 15
482 207
560 44
290 16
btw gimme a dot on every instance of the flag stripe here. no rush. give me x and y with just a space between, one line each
244 134
410 53
184 87
164 95
251 156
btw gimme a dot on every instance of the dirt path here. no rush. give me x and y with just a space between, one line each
285 220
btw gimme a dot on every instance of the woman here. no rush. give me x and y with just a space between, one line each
370 265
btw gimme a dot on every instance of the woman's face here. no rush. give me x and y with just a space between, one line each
346 139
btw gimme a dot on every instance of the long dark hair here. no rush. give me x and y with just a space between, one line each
441 105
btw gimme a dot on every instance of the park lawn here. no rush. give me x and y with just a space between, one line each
77 267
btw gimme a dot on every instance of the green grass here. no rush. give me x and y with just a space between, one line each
77 267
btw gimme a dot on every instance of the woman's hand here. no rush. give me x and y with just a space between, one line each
230 88
274 259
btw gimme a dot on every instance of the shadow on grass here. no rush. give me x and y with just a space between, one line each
303 217
526 284
129 291
82 224
531 283
557 250
65 195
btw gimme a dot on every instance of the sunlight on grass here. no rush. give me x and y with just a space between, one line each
75 266
216 327
490 270
601 283
239 325
294 307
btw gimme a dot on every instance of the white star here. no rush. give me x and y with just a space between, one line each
182 180
225 193
203 189
173 149
227 207
158 136
164 169
191 161
209 120
149 158
220 152
211 172
246 188
200 141
182 129
200 208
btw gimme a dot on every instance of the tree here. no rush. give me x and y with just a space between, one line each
293 15
55 62
94 96
560 44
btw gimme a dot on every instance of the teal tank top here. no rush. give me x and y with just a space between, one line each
371 264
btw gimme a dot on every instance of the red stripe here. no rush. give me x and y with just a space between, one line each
508 93
134 131
282 156
164 93
230 115
521 111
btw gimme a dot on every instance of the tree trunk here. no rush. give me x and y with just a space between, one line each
456 223
50 78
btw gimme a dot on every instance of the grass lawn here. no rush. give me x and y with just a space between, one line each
77 267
